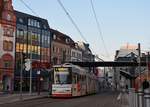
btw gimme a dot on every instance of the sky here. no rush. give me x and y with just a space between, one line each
121 22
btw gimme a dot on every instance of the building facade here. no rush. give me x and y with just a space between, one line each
33 40
7 45
127 53
76 53
87 55
60 47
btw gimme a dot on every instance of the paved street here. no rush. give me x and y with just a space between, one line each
10 98
108 99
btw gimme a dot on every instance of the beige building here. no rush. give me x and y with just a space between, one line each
60 47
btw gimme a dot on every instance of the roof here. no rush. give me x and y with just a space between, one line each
26 16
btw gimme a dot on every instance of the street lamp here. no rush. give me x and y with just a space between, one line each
21 76
30 90
147 60
38 77
139 56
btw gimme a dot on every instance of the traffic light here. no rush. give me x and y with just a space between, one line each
24 57
27 64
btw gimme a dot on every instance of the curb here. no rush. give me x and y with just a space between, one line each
24 99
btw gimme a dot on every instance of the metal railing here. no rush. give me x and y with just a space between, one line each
140 98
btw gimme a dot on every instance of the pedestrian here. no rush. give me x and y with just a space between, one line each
7 87
126 88
145 84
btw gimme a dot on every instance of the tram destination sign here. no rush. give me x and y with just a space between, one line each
61 69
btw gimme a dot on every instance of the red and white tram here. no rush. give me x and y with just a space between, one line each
70 80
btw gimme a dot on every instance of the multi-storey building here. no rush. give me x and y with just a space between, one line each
76 53
128 53
60 47
87 55
32 39
7 45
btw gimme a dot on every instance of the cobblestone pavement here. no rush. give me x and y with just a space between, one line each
107 99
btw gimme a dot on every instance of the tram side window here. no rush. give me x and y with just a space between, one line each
79 78
69 78
74 79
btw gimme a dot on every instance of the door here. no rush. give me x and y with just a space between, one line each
74 85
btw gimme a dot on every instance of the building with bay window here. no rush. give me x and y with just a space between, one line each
7 45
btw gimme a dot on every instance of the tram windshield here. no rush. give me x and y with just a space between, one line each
62 75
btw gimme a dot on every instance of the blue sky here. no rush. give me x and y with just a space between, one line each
121 21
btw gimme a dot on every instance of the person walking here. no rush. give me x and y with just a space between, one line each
145 84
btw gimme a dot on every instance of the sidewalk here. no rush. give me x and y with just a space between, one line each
9 98
124 100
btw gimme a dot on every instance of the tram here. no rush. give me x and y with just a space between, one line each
71 80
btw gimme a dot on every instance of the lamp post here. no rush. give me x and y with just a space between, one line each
139 54
147 60
38 78
30 90
21 78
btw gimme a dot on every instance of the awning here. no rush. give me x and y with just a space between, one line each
127 75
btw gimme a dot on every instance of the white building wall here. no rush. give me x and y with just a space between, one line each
76 57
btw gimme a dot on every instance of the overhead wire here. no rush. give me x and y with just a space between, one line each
69 16
72 21
29 8
99 28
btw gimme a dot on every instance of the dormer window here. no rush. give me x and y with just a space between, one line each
34 23
8 17
54 36
67 40
20 20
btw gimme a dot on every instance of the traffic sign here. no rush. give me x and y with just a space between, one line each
27 64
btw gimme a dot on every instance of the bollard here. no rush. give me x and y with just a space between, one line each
136 99
140 98
131 97
147 97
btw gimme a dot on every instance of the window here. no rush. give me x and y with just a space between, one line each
37 24
67 40
8 45
20 20
29 22
8 32
44 26
39 39
54 36
7 64
48 40
25 35
8 17
34 23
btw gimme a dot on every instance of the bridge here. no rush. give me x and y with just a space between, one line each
109 64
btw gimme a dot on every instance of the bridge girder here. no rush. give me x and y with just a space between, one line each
109 64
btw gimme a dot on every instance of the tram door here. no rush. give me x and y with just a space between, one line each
74 85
